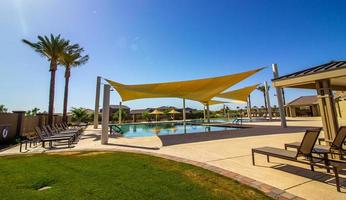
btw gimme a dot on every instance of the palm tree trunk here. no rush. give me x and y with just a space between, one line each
67 81
51 92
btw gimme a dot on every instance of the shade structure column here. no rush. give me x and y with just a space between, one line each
97 102
249 107
105 114
120 112
208 113
279 95
184 110
327 109
268 101
204 114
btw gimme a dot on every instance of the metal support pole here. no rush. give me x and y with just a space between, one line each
105 114
224 110
97 102
204 114
279 97
184 110
208 113
120 112
249 107
268 101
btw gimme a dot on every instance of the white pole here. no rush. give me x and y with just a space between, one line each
184 110
208 113
97 102
268 101
120 110
280 98
224 110
105 114
249 107
204 116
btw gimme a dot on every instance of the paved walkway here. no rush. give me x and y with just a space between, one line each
231 151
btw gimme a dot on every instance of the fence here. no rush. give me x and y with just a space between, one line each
16 124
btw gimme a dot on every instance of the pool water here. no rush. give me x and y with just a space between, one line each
152 129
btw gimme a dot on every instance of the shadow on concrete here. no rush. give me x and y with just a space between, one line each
323 177
95 137
168 140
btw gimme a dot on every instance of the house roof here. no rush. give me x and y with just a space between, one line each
166 108
335 71
139 111
304 101
117 107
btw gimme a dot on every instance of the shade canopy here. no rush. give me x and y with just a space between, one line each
215 102
173 112
240 94
202 90
156 112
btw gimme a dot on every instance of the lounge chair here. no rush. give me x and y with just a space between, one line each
63 131
337 165
50 133
60 128
336 146
305 150
43 138
66 127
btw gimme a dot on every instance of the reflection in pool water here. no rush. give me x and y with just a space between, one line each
140 130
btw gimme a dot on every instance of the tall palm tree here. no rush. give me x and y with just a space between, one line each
50 47
263 90
69 59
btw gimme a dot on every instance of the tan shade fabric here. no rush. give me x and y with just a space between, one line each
215 102
201 90
240 94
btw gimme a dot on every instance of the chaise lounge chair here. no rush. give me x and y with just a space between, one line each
305 150
43 138
336 146
50 133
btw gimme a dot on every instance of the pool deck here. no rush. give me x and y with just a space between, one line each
230 152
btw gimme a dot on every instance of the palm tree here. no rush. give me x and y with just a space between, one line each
79 115
69 59
32 112
52 48
3 109
263 90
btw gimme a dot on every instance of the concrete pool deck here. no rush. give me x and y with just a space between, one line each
230 151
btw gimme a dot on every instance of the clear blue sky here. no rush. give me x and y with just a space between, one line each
142 41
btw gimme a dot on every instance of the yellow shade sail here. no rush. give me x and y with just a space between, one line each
215 102
240 94
202 90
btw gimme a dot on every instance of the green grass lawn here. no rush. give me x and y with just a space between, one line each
90 175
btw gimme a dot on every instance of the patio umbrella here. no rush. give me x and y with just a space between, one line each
173 112
156 113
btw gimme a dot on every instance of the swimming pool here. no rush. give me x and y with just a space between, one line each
230 120
152 129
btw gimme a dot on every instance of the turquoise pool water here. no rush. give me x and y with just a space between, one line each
141 130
